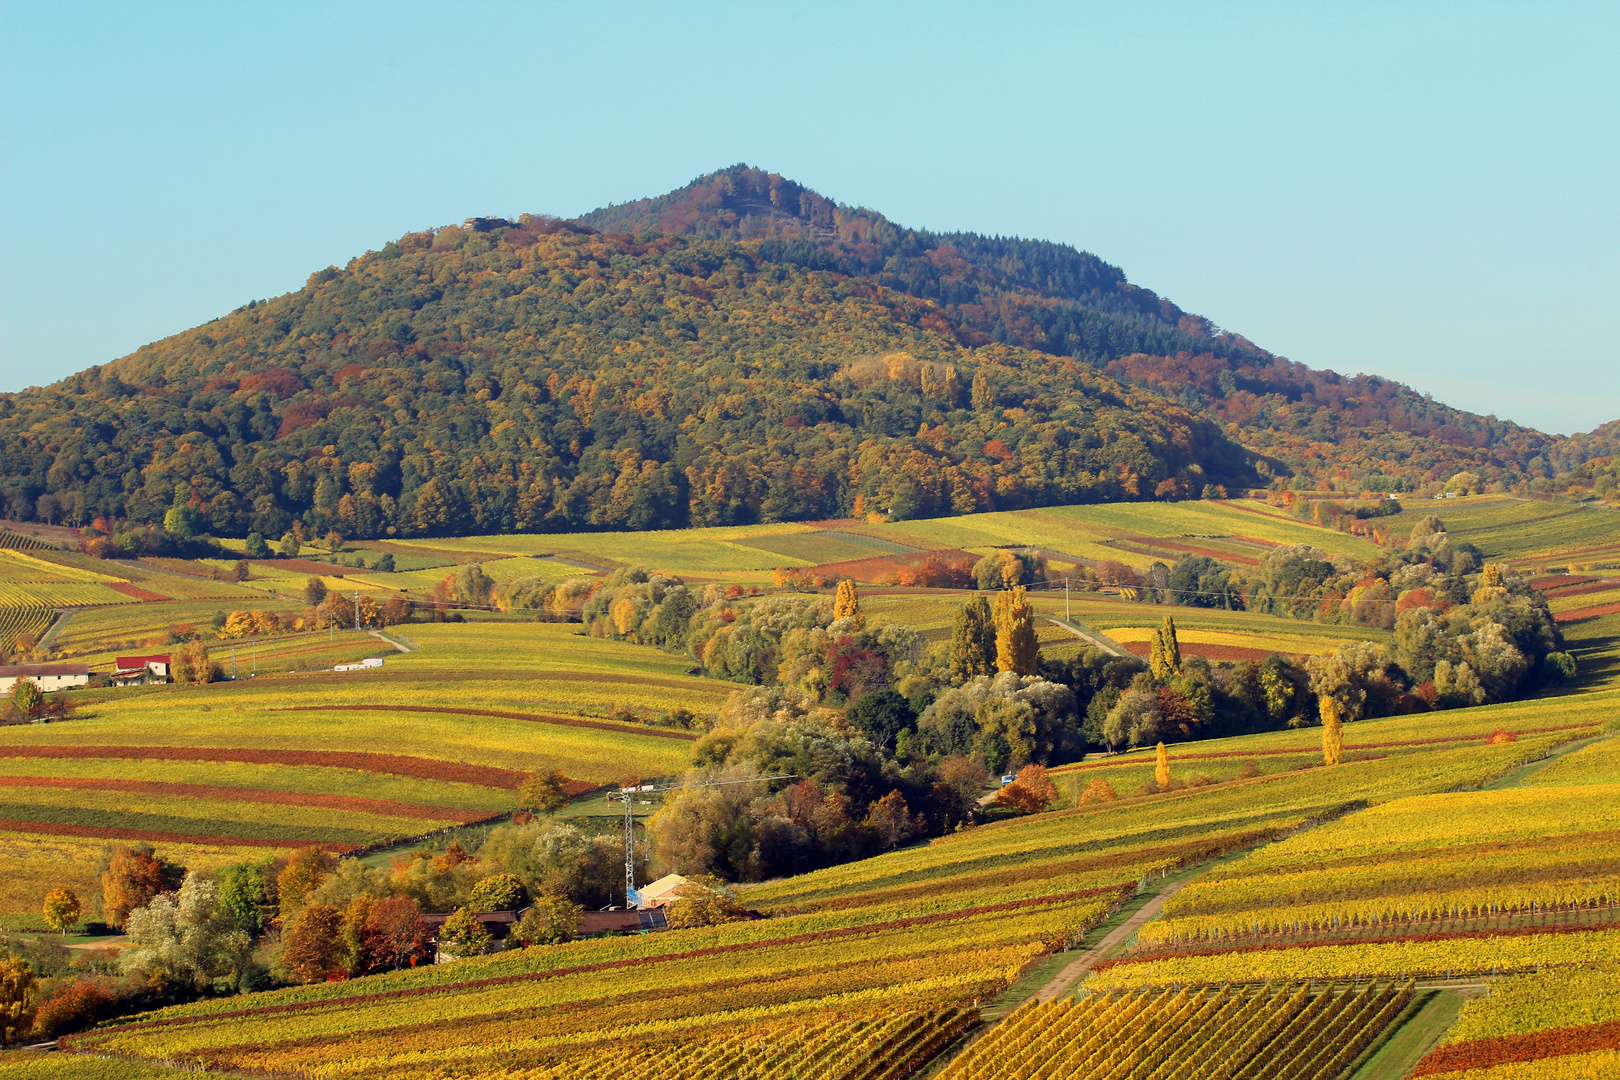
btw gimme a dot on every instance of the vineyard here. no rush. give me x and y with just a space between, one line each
1263 1033
28 617
1310 898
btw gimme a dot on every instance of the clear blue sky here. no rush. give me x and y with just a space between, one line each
1429 192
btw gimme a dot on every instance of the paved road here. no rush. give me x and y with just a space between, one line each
1083 636
1073 972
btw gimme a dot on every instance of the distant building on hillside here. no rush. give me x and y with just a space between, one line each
498 923
140 670
661 893
366 664
47 677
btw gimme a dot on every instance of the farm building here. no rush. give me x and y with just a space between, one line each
140 670
621 922
498 923
661 893
364 665
47 677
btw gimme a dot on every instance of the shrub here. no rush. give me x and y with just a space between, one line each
1098 791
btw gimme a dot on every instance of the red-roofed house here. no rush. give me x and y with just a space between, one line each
139 670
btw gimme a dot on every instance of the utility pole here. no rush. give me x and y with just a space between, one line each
1066 598
233 663
357 611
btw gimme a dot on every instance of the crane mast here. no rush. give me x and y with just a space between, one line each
628 794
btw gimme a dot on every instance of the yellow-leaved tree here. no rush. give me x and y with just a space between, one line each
847 604
1332 730
1161 769
1016 648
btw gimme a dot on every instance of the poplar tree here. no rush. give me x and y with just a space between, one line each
846 604
1161 769
1332 731
1164 654
1016 648
973 641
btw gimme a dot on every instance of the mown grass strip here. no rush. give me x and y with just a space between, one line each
563 721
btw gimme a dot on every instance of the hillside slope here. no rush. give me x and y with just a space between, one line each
1054 299
542 377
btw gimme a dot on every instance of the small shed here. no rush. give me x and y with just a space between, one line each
140 670
47 677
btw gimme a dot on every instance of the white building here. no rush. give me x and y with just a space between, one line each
47 677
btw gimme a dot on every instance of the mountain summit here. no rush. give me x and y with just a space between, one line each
740 350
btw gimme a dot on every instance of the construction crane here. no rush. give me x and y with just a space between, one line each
628 794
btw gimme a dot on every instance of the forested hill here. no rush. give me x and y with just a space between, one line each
1054 299
537 375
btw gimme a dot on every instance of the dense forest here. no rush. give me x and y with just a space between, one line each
538 375
740 350
1052 298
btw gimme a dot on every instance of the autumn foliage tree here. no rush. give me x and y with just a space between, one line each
135 875
973 641
313 947
394 932
302 875
1332 730
847 603
61 909
18 990
544 792
1030 792
1016 647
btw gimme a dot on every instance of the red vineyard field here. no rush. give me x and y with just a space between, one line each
1580 614
135 592
563 721
1210 652
1507 1049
